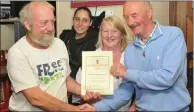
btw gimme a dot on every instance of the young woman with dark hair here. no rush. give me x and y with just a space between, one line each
80 38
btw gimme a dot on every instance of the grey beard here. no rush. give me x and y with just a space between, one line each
42 42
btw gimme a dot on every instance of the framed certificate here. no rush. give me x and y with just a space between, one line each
96 72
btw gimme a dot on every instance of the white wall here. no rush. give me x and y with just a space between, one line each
65 13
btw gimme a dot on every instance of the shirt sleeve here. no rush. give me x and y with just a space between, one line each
172 67
19 71
66 55
121 96
68 69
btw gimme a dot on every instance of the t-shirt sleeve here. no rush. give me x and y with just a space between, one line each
66 55
19 71
68 69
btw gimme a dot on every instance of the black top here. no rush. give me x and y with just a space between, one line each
75 47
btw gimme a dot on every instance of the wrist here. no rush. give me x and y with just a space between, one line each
94 108
125 74
75 108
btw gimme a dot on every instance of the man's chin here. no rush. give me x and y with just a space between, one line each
136 33
48 42
44 43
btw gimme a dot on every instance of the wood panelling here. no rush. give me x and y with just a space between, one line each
172 12
189 32
190 10
189 27
181 15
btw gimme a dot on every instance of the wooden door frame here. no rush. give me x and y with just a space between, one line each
178 15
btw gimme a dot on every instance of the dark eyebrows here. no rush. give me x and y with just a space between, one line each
75 17
85 19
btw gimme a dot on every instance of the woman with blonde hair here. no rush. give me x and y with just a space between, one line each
114 36
112 26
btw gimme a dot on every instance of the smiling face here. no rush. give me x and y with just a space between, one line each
81 22
41 30
137 17
111 36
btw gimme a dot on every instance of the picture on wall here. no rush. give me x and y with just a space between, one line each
75 4
5 9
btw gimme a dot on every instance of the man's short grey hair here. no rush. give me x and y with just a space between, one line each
147 4
26 12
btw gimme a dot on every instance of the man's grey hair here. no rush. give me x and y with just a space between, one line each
26 12
147 4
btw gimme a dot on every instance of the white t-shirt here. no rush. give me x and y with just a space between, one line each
117 82
30 67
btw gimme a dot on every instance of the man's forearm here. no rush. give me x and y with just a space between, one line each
44 101
73 86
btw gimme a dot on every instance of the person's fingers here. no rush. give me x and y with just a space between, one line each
99 96
85 97
83 106
86 107
88 95
112 69
94 95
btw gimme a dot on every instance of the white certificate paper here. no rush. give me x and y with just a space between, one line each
96 72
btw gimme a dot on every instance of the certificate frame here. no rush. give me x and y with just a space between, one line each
96 75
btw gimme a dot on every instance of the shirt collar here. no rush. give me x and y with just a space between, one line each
152 36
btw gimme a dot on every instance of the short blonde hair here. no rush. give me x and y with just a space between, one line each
118 24
26 12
